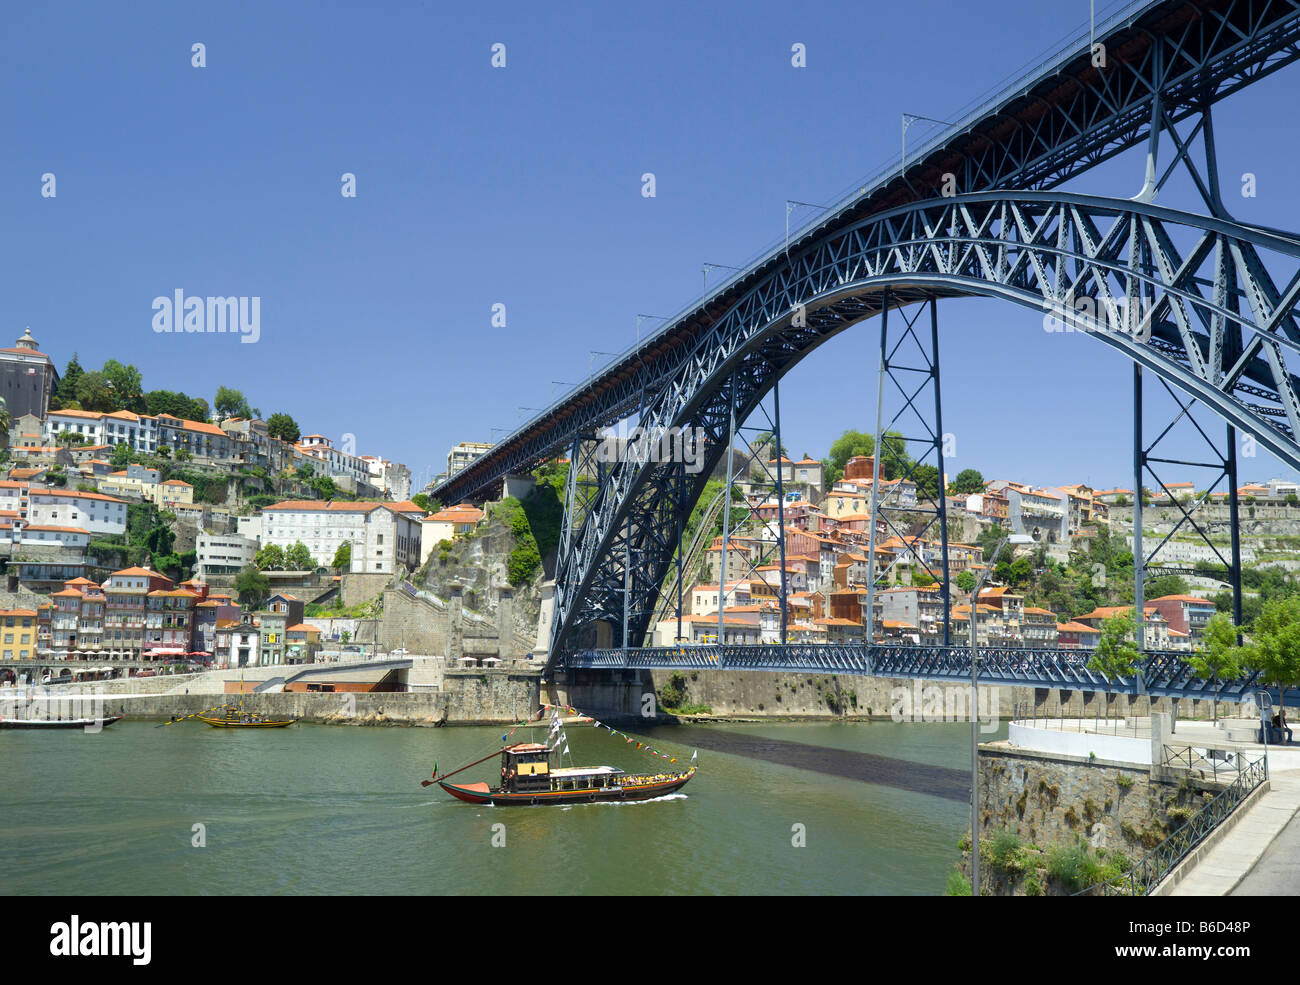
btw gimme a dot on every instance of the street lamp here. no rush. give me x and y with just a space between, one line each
705 271
974 710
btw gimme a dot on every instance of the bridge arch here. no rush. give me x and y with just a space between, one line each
1214 323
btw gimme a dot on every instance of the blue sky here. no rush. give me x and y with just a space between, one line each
521 186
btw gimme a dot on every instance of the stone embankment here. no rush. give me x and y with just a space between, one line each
754 694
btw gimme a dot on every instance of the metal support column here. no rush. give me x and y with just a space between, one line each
1235 573
681 509
627 574
1139 556
726 506
870 616
944 587
780 503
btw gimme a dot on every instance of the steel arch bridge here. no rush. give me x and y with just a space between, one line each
1044 250
1215 298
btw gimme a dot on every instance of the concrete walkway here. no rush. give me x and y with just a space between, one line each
1233 861
1277 873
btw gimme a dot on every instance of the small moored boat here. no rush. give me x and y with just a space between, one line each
52 723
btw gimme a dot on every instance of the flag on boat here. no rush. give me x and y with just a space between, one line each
694 754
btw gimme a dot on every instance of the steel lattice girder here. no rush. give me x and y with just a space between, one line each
1161 674
1044 250
1185 54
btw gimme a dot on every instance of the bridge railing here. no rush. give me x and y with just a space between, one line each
1158 863
1158 674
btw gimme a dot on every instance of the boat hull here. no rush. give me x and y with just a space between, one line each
224 723
38 723
479 793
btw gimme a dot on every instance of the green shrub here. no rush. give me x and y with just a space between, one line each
958 885
1073 866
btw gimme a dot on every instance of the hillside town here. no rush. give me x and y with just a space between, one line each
156 538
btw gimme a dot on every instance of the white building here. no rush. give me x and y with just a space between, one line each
223 554
48 536
140 431
392 478
94 512
463 454
382 539
337 463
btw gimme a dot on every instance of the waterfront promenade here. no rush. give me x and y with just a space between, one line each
1260 853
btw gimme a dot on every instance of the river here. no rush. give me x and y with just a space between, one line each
339 810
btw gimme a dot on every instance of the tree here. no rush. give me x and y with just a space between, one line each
926 478
893 463
251 586
67 391
176 404
1219 656
121 456
966 581
284 427
343 557
94 393
271 556
1163 585
298 558
1274 648
231 403
968 481
1116 650
71 438
127 386
1022 569
848 445
422 500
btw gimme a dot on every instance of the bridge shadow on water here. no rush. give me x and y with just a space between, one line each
902 774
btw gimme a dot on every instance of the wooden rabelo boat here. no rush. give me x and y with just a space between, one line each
531 774
238 718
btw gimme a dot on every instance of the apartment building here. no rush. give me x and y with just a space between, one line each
169 622
126 609
383 539
18 634
282 611
1155 627
338 463
465 453
1186 614
95 513
77 617
446 524
223 554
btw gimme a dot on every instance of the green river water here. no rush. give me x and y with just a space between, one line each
339 810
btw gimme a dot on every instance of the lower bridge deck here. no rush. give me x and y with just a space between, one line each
1159 674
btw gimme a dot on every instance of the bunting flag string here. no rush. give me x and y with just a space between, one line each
642 746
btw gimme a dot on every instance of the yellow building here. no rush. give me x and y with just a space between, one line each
18 627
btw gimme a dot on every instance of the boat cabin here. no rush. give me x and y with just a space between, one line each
526 768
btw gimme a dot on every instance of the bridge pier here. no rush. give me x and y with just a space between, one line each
1220 468
899 371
